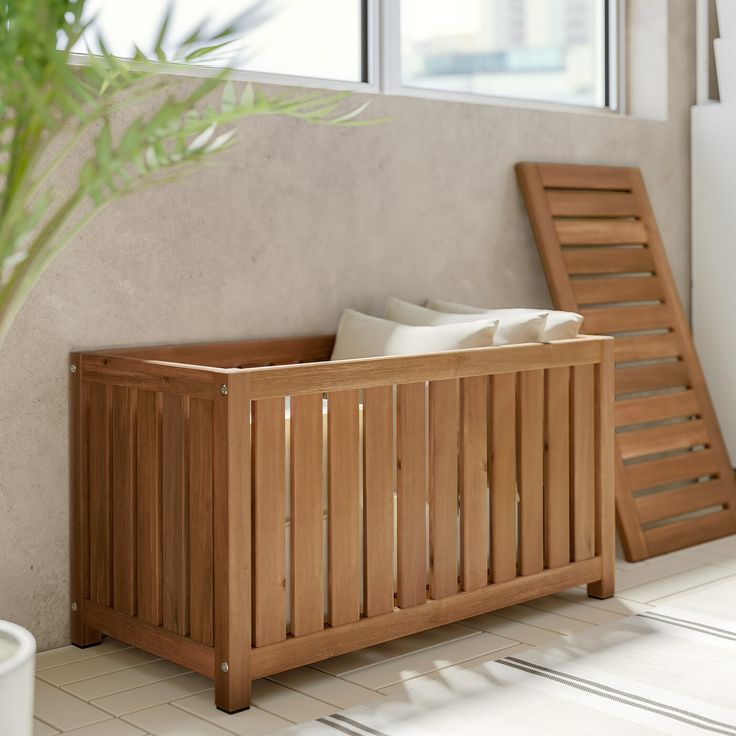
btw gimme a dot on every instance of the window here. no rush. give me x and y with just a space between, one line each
305 38
550 50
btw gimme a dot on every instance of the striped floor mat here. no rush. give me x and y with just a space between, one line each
671 670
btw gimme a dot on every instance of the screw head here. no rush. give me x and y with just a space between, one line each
73 368
74 606
223 389
224 666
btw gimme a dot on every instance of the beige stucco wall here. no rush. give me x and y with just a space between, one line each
290 226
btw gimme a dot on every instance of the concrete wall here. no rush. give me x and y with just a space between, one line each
289 227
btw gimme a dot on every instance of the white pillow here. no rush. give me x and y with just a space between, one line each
559 325
362 336
512 328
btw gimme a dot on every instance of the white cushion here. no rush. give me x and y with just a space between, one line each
526 326
558 326
363 336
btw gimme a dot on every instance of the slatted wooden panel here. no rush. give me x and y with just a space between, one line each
269 515
307 584
603 256
378 503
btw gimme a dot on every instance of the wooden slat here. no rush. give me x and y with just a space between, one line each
564 176
474 520
530 465
601 232
612 290
175 515
608 260
344 507
610 320
148 482
378 505
444 427
583 463
652 377
307 572
665 438
411 494
201 521
670 470
100 497
269 515
591 204
667 538
647 347
656 408
124 566
503 478
694 497
557 469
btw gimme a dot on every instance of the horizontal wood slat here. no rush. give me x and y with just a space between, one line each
583 203
698 530
601 232
647 347
662 439
612 290
656 408
652 377
611 320
565 176
608 261
671 470
693 497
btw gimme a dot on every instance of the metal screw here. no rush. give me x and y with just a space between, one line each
74 606
73 368
223 389
224 667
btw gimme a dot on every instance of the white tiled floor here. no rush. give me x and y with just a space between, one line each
115 690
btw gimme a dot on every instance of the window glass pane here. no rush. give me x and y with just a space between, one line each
307 38
551 50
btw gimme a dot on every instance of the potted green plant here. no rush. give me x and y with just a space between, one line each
50 108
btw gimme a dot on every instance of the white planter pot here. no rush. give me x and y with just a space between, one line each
726 18
17 647
725 49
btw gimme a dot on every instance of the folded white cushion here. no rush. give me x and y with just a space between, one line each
363 336
558 325
512 328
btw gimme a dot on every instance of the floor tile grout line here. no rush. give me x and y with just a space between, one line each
655 601
582 620
102 674
472 633
211 723
620 592
145 707
81 659
314 697
680 591
544 628
124 690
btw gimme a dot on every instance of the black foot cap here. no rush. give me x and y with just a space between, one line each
233 712
87 646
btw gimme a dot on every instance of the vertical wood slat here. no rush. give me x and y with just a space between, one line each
100 501
444 434
149 497
343 442
411 494
307 585
201 521
531 471
269 513
175 515
474 521
124 566
378 505
503 477
583 465
557 469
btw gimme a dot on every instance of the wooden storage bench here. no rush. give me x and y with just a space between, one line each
438 487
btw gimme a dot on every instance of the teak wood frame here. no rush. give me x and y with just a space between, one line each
603 257
178 478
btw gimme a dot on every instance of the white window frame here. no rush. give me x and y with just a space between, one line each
384 67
